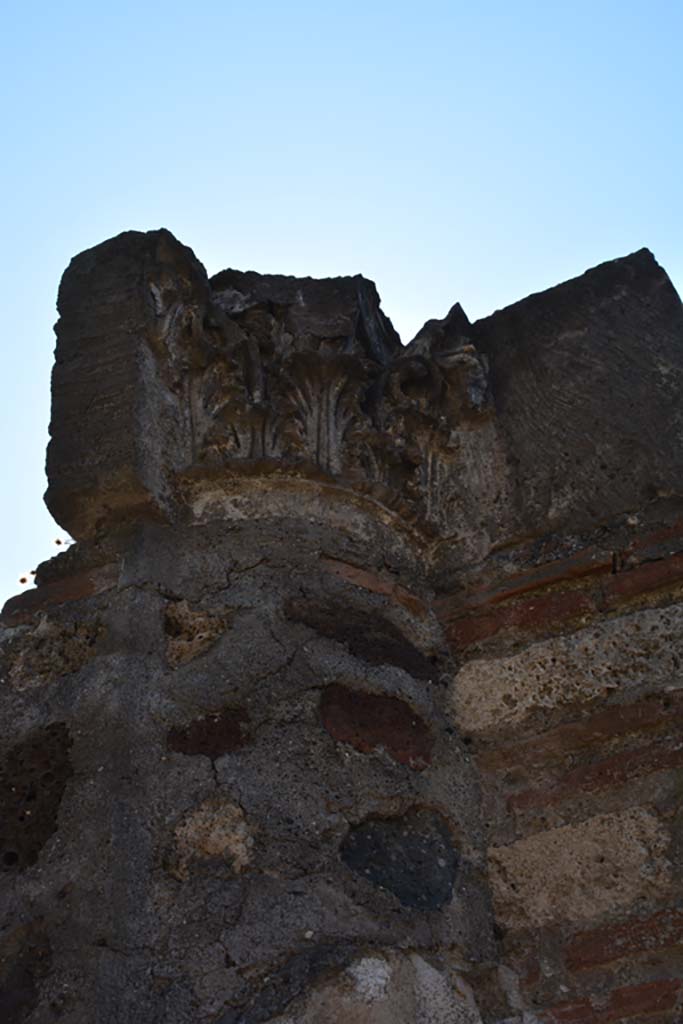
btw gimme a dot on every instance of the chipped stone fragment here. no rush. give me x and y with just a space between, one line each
369 637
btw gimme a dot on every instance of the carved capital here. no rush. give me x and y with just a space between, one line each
256 374
164 376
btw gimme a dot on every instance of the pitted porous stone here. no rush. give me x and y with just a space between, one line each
578 872
40 654
191 631
215 833
442 1000
634 654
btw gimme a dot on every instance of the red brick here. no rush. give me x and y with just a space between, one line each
657 545
672 535
624 1004
367 721
476 617
571 1013
533 615
23 607
643 579
613 771
650 997
638 935
585 563
375 584
651 714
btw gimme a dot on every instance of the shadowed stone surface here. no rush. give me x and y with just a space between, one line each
370 638
356 698
574 370
33 778
25 957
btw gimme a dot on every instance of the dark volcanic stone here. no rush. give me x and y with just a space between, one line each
32 782
368 720
412 856
369 637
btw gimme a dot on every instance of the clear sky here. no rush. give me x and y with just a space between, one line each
449 151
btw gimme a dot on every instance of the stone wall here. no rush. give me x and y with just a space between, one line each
359 696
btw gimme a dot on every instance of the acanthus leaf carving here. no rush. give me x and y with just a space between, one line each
308 402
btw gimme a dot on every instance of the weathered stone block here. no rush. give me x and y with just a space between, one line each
131 313
569 366
580 872
191 631
629 655
215 835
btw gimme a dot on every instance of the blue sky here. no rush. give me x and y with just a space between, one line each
449 151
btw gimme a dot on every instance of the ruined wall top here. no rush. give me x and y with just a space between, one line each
176 395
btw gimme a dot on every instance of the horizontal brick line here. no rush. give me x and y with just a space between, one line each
605 592
651 714
613 942
612 772
624 1004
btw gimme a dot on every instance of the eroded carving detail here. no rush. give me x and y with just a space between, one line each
387 419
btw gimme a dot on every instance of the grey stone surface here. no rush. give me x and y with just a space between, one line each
200 822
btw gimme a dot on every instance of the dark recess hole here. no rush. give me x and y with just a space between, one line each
30 796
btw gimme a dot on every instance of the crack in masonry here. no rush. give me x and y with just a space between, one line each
248 568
